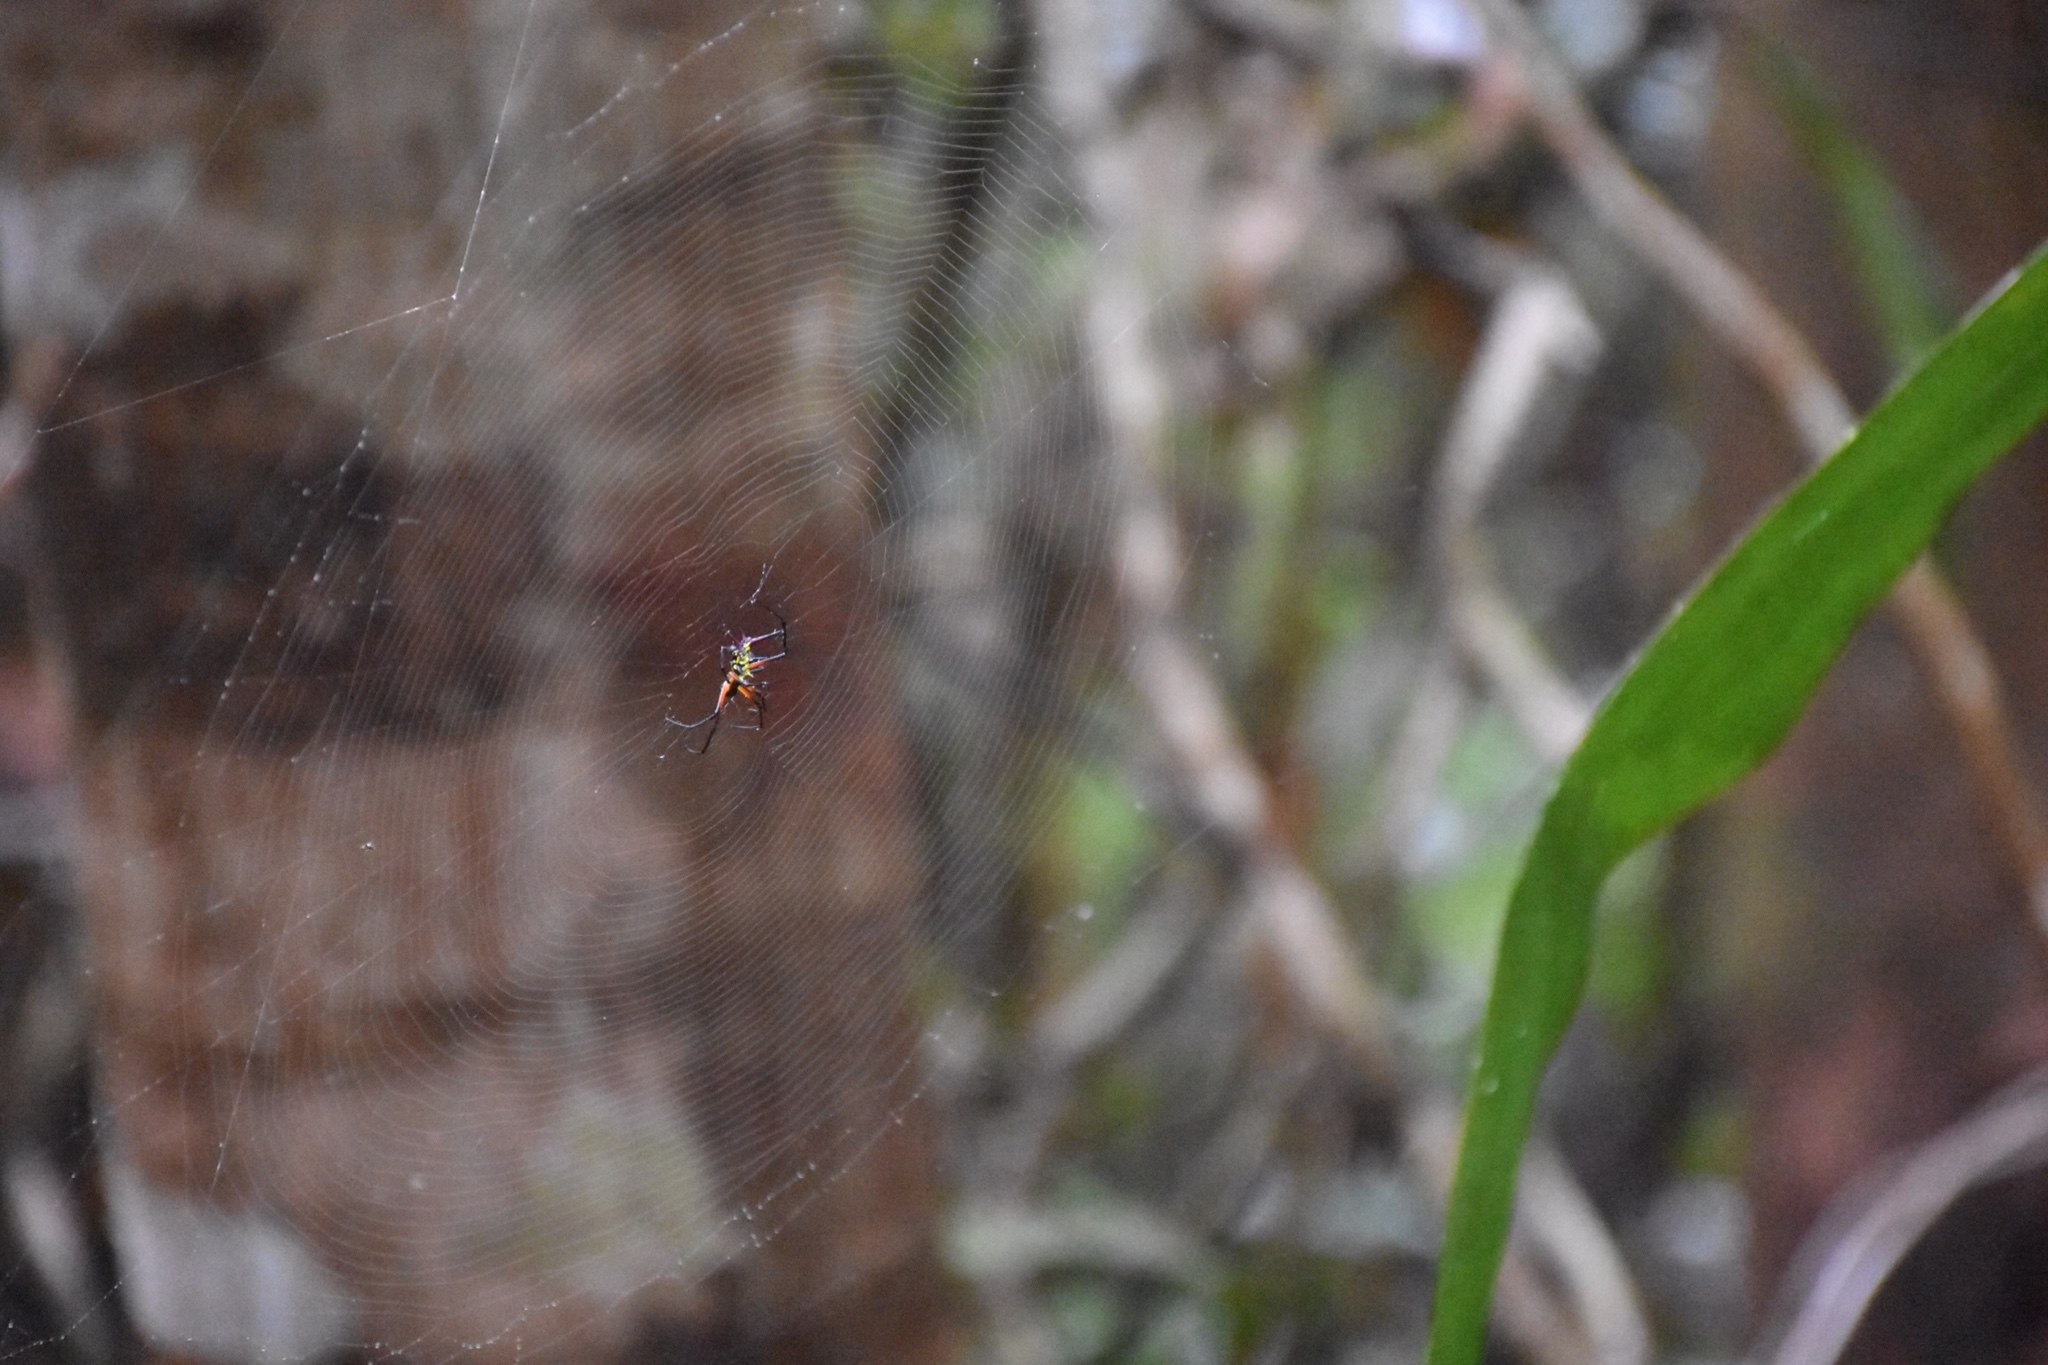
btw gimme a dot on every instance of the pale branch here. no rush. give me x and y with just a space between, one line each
1860 1238
1537 330
1218 780
1966 683
1220 783
1724 298
1572 1238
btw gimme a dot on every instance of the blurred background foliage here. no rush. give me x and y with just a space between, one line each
1335 198
1157 1142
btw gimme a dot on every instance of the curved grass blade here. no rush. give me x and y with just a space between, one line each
1708 699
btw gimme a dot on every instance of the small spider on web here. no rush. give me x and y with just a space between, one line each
741 684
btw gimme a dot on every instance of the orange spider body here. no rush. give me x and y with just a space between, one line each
740 684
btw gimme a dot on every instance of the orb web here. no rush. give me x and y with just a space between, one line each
425 940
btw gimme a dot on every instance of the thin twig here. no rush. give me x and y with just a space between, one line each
1557 1228
1724 298
1938 629
1109 998
1553 1205
1866 1232
1731 306
1218 779
1220 784
1537 329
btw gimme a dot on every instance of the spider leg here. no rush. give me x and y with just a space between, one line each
780 635
757 699
711 720
712 733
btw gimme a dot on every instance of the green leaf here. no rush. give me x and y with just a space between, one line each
1710 697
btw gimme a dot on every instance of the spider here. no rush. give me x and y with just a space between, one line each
740 683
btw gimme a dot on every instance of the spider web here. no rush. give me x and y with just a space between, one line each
446 1001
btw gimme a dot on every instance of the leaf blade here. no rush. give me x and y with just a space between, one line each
1712 695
